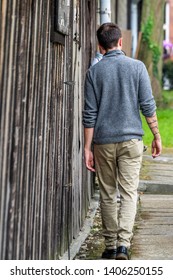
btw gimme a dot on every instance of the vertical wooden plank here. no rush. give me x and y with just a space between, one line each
32 131
9 98
18 155
3 143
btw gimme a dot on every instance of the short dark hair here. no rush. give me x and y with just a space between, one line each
108 35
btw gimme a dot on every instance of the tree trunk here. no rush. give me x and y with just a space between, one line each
150 49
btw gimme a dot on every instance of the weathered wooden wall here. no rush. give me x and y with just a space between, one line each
44 187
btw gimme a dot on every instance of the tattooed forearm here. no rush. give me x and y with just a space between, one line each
153 125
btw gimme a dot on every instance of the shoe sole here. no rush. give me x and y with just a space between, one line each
109 258
122 256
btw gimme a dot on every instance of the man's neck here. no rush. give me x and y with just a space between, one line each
113 49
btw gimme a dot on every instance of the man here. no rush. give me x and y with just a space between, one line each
116 89
98 56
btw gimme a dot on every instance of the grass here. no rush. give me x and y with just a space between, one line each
165 120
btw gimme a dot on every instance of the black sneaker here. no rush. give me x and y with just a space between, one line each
122 253
109 254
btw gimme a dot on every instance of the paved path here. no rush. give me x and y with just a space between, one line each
153 238
153 234
157 174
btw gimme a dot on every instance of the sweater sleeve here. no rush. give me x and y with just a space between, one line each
90 103
146 99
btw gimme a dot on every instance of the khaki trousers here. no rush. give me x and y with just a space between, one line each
118 165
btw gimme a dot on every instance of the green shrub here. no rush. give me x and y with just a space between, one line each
168 72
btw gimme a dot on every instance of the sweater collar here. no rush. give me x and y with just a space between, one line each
114 53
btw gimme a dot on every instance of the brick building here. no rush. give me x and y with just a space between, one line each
168 28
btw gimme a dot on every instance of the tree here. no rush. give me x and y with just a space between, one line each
150 49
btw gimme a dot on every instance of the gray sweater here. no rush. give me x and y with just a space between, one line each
116 89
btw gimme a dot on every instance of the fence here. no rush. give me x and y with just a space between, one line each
45 190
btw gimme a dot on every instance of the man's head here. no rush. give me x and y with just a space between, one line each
109 36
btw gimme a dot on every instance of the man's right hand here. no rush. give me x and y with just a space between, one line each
89 160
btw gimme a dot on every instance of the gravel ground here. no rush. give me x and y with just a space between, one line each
93 246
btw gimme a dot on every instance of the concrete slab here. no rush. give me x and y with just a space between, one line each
157 187
153 234
156 173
